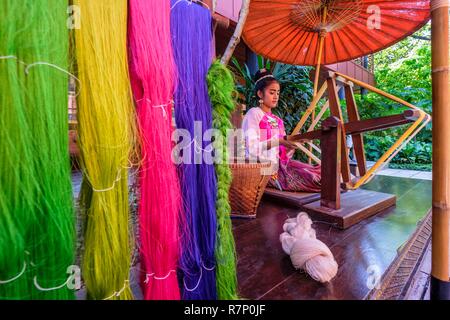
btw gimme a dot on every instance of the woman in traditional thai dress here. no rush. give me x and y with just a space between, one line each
265 139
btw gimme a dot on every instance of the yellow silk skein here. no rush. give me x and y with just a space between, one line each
107 136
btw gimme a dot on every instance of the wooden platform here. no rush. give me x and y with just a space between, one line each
294 199
356 205
265 272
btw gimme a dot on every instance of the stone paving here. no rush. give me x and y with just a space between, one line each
412 174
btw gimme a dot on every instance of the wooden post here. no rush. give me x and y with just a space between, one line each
440 267
358 141
335 110
330 143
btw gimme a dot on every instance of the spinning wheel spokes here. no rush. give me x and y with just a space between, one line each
332 85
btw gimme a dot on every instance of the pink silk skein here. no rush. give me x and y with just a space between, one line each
153 71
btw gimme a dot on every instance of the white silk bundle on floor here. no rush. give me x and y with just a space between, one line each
307 253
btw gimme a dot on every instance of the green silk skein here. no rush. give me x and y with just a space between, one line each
37 230
221 90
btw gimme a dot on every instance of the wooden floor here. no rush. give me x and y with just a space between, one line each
364 252
408 277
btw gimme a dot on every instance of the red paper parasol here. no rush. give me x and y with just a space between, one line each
290 31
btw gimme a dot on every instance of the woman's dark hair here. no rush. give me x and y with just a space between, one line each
263 78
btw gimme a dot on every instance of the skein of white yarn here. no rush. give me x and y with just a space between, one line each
308 253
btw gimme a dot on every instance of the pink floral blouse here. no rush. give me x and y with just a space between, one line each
259 128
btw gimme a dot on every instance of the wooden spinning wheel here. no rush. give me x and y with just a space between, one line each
351 207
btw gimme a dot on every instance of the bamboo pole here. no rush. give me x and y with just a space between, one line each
319 60
440 273
236 38
322 35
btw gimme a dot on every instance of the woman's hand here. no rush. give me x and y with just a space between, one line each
288 144
274 142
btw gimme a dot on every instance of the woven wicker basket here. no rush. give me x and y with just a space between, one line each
247 187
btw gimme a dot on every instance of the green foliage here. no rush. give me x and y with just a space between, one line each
415 152
296 89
